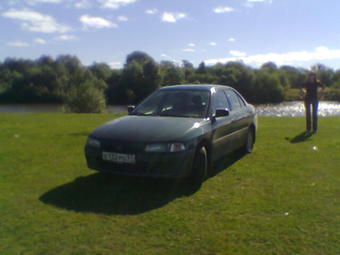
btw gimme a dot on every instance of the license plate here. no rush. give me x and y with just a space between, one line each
119 157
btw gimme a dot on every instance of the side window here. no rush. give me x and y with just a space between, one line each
234 100
241 100
220 101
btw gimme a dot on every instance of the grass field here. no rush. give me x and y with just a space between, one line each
281 199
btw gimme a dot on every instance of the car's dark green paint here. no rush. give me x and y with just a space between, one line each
134 128
222 129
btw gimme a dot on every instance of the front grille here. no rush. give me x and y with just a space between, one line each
122 147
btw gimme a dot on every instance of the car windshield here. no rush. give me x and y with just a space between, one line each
175 103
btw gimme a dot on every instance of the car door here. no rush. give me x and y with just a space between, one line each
221 128
239 118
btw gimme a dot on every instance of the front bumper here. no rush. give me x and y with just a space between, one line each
163 165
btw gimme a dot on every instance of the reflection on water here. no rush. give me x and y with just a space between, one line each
289 109
29 108
116 108
297 109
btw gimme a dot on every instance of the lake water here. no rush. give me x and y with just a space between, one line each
289 109
297 109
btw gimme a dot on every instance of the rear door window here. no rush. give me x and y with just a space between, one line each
220 101
235 101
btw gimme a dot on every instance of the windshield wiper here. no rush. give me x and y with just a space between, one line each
145 114
138 113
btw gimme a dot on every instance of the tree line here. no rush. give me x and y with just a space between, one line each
88 88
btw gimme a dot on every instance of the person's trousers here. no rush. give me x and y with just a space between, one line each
311 103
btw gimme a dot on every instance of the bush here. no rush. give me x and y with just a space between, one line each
268 88
85 98
293 95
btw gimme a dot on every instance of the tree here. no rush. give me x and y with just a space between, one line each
101 71
323 73
132 77
291 77
268 88
47 80
138 56
270 67
201 68
171 74
189 71
152 78
140 76
240 77
335 83
6 78
115 93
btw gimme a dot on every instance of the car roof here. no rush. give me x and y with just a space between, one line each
207 87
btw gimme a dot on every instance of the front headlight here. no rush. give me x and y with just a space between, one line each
176 147
93 142
156 147
165 147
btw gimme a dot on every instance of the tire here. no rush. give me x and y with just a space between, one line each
250 140
200 167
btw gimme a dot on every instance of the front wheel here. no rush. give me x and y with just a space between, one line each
250 140
200 167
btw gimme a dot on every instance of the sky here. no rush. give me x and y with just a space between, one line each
288 32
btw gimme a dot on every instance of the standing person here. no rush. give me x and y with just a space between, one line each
310 90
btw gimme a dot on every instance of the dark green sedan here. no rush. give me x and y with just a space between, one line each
178 131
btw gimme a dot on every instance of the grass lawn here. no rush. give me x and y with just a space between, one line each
281 199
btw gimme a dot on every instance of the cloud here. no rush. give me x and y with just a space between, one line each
18 44
212 44
82 4
122 18
191 44
151 11
237 53
96 22
231 39
35 21
34 2
115 4
260 1
115 65
173 17
318 54
171 59
223 9
188 50
39 41
251 3
65 37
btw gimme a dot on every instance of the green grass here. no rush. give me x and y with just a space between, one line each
281 199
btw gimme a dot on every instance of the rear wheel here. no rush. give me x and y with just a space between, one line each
200 167
250 140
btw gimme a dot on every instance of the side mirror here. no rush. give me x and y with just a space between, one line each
221 113
130 108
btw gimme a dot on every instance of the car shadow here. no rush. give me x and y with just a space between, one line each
225 162
116 195
303 136
122 195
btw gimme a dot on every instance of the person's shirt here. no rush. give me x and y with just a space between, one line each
312 89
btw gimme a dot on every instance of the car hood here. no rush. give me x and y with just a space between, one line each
151 129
